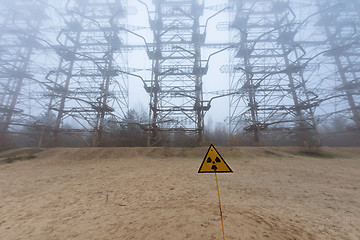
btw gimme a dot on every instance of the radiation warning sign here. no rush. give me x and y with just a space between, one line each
213 162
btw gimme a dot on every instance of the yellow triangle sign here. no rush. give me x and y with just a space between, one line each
213 162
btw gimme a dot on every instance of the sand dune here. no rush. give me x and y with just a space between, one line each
156 193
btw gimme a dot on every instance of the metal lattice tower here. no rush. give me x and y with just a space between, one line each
268 74
293 66
340 25
87 85
20 27
176 84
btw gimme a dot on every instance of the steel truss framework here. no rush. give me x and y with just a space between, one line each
18 48
339 23
87 85
268 75
176 84
290 73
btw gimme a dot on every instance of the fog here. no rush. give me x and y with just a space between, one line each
179 73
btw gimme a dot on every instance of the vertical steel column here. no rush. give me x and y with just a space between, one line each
21 25
176 85
341 27
90 88
272 97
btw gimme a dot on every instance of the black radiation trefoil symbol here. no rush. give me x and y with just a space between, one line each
213 162
209 160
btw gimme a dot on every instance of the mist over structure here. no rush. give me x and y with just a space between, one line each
280 72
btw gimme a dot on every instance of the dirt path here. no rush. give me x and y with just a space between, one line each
139 193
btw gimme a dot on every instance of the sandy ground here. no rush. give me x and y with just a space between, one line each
156 193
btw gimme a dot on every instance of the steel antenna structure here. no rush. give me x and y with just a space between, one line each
340 26
267 67
293 71
88 90
20 24
177 69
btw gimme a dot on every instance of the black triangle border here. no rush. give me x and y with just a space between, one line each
211 145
